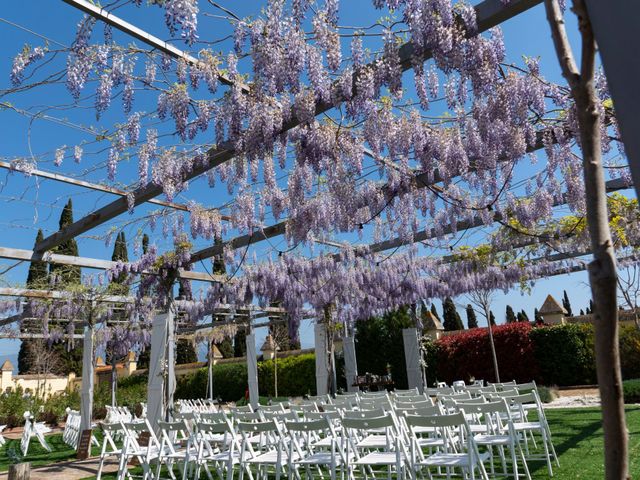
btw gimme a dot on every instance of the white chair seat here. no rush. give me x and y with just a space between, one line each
272 457
519 426
450 459
492 439
320 458
379 458
325 442
373 441
224 457
477 428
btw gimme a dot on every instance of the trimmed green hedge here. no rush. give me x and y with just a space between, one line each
565 354
631 390
296 376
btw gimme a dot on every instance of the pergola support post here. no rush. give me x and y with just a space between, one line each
157 359
322 369
252 370
412 358
86 395
350 363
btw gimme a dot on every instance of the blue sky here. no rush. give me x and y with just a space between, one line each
30 203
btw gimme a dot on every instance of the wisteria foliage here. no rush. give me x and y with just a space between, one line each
498 115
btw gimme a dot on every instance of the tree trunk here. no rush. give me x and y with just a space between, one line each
602 270
487 313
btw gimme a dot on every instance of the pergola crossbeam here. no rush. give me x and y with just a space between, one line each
95 263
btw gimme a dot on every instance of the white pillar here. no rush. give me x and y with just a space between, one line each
86 395
412 358
155 387
171 363
350 364
210 371
252 370
322 370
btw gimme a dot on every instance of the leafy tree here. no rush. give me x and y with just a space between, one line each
510 316
185 352
452 319
472 321
240 343
379 343
226 348
567 304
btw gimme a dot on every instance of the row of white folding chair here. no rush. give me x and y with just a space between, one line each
196 405
517 410
117 414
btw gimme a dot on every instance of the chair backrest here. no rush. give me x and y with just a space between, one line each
243 408
321 424
413 404
385 421
426 411
278 407
304 408
247 416
213 417
375 403
526 387
406 393
375 413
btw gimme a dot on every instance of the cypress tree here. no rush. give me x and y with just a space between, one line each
38 277
537 317
510 316
120 254
590 306
452 319
472 321
567 304
492 318
185 352
219 268
523 315
145 243
434 310
67 274
239 343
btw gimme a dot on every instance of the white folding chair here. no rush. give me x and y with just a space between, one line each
268 452
110 432
312 444
174 447
388 451
458 449
133 447
523 404
221 454
499 433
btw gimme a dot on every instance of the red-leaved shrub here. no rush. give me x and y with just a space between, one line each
467 354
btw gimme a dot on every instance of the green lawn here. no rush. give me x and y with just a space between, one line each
10 452
577 436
